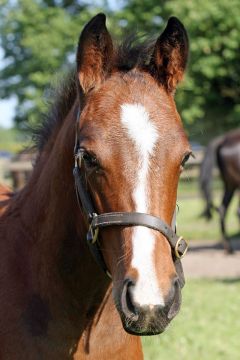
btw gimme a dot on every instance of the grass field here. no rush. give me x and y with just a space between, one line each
191 205
207 327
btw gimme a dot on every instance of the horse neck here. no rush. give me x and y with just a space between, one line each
61 265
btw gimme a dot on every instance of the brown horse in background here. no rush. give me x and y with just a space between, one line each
225 151
55 301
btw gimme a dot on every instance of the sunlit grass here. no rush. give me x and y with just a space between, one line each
207 327
191 205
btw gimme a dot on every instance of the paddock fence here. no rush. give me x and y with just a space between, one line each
16 171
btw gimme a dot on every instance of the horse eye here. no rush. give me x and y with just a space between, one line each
185 159
90 160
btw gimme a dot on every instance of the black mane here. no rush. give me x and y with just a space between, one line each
133 52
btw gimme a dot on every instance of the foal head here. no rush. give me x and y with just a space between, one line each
134 149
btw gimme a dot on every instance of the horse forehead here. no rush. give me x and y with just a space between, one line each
132 87
137 99
141 89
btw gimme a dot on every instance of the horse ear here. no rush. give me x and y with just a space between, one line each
94 53
170 55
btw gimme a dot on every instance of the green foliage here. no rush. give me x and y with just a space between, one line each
206 328
39 39
13 140
209 98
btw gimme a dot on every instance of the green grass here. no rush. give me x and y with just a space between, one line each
207 327
191 205
190 187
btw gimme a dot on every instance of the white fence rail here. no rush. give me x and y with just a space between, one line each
16 172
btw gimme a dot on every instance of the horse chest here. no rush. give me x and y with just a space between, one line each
106 339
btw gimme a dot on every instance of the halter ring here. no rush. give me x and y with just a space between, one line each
92 234
178 255
78 156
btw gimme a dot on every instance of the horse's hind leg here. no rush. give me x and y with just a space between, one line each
222 211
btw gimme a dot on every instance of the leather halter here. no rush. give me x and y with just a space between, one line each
95 221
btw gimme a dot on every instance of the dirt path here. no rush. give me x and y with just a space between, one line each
208 260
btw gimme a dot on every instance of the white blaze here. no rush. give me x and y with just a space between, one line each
136 121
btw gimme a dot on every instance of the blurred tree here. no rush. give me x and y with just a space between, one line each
209 98
38 38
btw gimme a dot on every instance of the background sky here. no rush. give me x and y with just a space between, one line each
6 106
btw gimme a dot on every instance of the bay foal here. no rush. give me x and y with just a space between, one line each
56 302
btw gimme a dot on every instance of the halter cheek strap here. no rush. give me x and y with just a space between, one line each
178 244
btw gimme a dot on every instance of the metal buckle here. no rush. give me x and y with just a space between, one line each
78 159
179 256
92 234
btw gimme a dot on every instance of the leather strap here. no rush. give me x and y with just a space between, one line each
141 219
83 196
85 203
178 244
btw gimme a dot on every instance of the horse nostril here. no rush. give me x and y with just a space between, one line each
172 291
127 302
176 283
175 299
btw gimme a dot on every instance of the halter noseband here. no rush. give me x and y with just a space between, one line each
178 244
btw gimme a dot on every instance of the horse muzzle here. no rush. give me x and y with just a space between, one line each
148 319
